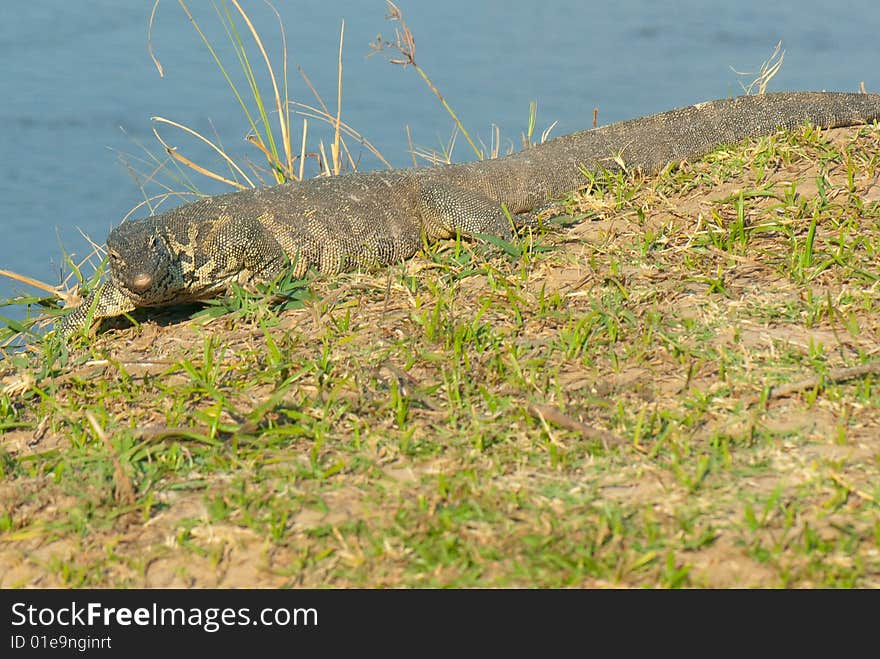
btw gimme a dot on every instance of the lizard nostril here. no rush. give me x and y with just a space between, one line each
141 282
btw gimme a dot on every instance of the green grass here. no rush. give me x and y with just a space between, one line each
590 406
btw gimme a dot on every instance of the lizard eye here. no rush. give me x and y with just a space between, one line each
113 254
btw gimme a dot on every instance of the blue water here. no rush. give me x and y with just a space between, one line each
79 87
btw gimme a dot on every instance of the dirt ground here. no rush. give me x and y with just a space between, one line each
660 399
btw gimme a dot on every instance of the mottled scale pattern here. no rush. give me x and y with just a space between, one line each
363 220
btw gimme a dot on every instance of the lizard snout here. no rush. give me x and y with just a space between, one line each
141 282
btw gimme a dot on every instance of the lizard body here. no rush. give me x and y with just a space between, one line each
198 250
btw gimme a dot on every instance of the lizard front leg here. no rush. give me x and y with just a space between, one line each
105 301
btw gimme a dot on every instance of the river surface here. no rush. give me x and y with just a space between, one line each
79 86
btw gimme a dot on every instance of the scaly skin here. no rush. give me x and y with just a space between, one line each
196 251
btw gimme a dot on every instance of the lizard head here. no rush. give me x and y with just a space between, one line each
142 264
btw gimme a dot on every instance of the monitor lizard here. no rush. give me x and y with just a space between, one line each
332 224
